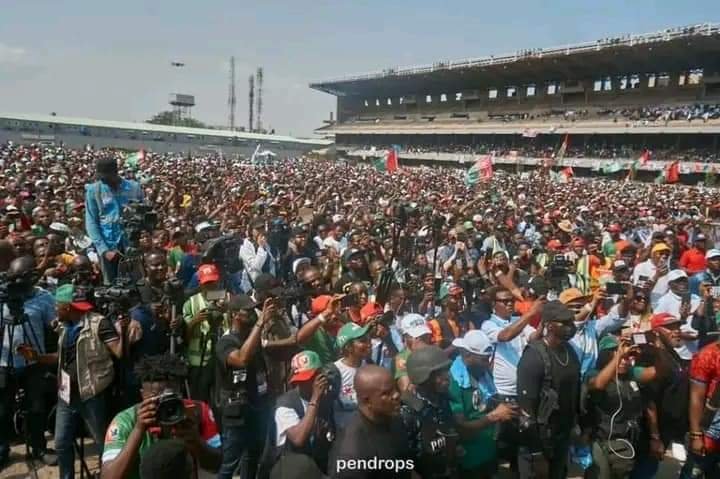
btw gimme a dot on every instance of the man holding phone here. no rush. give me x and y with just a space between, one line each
654 272
682 304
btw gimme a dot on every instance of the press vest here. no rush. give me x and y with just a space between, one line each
93 359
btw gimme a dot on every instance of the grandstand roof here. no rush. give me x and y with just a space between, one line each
149 127
671 49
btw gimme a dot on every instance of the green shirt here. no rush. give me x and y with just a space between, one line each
175 257
123 424
473 404
323 344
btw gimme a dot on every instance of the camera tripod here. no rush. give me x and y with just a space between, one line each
8 328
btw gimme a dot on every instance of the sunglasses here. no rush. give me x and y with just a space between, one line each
505 301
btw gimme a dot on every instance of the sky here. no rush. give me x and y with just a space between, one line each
111 60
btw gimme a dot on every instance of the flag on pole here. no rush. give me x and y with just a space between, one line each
633 170
481 169
612 167
254 155
388 162
568 172
563 148
645 157
132 159
672 172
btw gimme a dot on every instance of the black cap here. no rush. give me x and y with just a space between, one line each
538 286
267 283
555 311
241 302
106 167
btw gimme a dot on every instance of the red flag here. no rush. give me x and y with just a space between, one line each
568 172
391 160
486 167
645 157
672 172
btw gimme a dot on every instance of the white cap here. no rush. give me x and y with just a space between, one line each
337 218
203 226
60 227
475 342
299 262
712 253
676 274
477 218
414 326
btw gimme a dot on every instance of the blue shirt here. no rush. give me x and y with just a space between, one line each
103 212
40 311
154 339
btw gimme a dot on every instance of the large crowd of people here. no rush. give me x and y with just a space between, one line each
311 318
540 150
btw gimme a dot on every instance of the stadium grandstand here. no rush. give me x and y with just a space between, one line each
612 99
78 132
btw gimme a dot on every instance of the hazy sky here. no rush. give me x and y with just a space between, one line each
111 60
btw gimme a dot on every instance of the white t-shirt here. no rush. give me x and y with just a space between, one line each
648 269
285 418
347 400
507 354
671 303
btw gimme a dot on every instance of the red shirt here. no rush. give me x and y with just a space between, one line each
705 369
693 261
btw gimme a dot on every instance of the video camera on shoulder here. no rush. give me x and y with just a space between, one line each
120 297
224 252
14 291
137 217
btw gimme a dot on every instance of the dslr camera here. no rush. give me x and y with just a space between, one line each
224 252
170 409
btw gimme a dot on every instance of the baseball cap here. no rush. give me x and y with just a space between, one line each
349 253
713 253
370 310
554 244
267 283
660 247
205 225
67 294
300 262
571 294
556 311
448 289
468 225
614 228
700 237
663 319
475 342
304 365
241 302
414 325
607 343
676 274
320 304
619 265
350 332
477 218
208 273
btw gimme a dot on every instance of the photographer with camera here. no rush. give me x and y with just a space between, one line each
204 315
86 347
104 203
304 418
27 311
161 415
242 392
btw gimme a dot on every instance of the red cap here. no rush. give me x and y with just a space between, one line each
83 306
554 244
320 304
370 310
661 320
207 273
578 242
615 228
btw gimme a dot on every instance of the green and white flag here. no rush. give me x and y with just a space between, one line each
132 159
613 167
